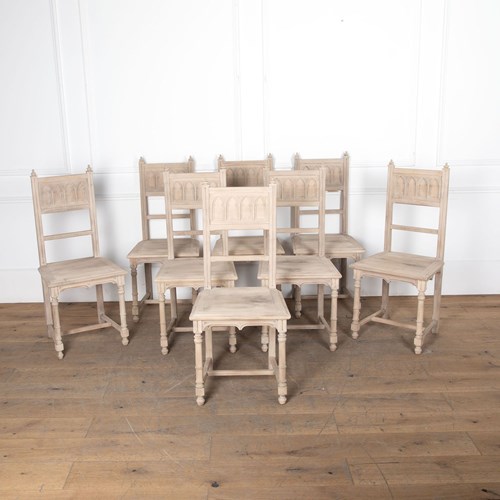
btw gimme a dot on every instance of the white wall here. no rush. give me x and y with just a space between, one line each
106 81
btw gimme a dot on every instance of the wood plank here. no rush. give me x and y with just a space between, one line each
371 420
426 470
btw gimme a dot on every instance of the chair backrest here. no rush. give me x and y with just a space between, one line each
337 180
184 192
63 193
411 186
302 190
239 208
152 186
245 172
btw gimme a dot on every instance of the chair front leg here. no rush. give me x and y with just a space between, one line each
135 293
58 344
198 363
282 387
124 333
421 285
436 310
163 319
333 315
356 306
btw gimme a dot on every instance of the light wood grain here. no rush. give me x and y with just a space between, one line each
375 423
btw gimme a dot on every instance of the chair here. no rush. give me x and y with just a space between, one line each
339 245
418 187
241 173
226 209
183 192
60 195
301 189
152 250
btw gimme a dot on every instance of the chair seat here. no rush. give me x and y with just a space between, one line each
336 245
301 269
77 272
188 272
238 305
246 245
399 265
156 249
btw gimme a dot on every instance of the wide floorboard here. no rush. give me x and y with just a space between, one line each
371 420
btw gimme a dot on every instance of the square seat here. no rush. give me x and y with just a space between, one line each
251 305
401 266
70 273
245 245
157 249
189 273
337 246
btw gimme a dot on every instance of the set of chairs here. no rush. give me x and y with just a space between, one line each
239 205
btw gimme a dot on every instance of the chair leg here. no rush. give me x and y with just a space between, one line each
135 293
198 362
264 339
100 304
232 339
333 316
385 299
356 306
58 344
343 280
282 388
421 285
148 275
163 320
48 311
297 298
436 310
272 344
123 313
321 302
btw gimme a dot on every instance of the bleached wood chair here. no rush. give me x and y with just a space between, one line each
183 193
226 209
240 173
59 195
306 189
339 245
152 250
405 186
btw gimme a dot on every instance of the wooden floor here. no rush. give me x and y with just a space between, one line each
371 420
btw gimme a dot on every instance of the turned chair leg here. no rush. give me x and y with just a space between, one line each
333 315
58 344
385 299
282 386
436 310
420 317
124 333
356 306
199 382
163 320
135 293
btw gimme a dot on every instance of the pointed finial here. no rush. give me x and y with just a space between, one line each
89 169
33 173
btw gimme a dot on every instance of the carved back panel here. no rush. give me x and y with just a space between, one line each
59 194
305 189
184 192
239 208
152 185
336 181
411 186
245 172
